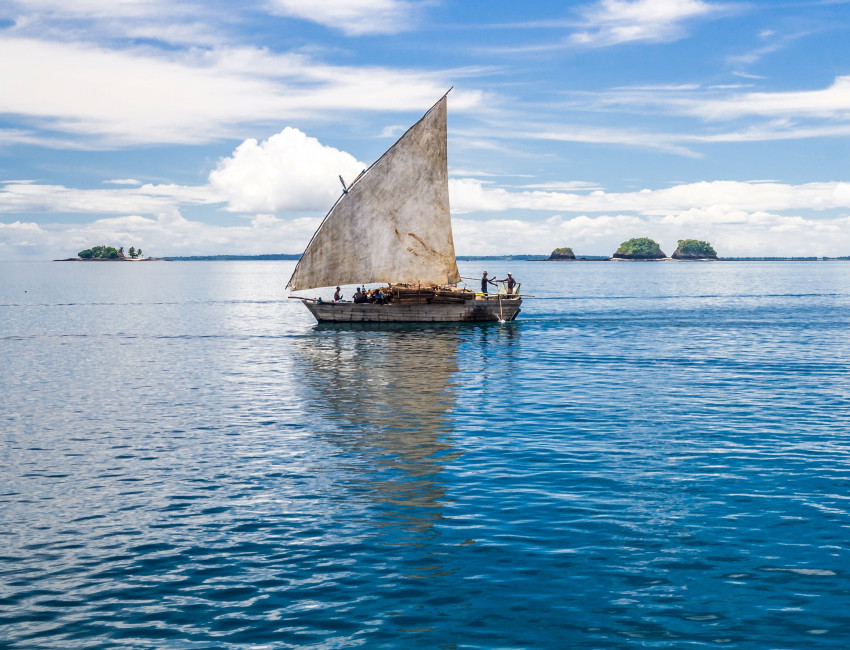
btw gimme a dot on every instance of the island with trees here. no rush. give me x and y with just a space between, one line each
640 248
694 249
110 254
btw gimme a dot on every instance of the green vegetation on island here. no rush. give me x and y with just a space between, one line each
108 253
640 248
562 254
100 253
694 249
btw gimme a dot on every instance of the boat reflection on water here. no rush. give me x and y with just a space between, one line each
384 396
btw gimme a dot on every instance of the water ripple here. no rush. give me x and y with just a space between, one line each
652 458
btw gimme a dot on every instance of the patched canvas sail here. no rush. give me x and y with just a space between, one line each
393 225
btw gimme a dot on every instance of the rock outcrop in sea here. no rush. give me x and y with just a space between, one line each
694 249
562 255
640 248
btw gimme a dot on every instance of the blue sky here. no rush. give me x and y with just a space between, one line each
201 128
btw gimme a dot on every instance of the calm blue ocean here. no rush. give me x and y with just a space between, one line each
654 455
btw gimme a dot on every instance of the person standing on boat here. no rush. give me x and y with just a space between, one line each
510 282
485 281
338 295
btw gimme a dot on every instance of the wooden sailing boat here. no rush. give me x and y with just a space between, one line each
392 225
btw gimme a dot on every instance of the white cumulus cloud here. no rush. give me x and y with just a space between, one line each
288 172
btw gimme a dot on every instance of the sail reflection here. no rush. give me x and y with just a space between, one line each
388 394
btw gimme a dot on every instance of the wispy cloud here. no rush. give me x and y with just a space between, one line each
726 113
132 96
607 23
682 144
831 102
563 186
96 8
716 104
771 42
668 143
177 22
611 22
353 17
123 181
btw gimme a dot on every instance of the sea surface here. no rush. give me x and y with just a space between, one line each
653 455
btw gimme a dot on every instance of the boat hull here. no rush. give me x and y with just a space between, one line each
469 311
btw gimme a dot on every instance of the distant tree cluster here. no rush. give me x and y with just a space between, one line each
644 248
694 249
108 253
641 248
99 252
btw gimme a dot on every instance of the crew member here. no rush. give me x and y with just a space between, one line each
338 295
510 282
485 281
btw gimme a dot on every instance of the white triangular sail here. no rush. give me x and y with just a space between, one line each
393 224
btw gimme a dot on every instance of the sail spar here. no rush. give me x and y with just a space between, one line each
393 224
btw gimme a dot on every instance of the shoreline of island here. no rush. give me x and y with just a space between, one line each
120 259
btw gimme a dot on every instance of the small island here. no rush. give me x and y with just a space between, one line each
106 253
562 255
640 248
694 249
